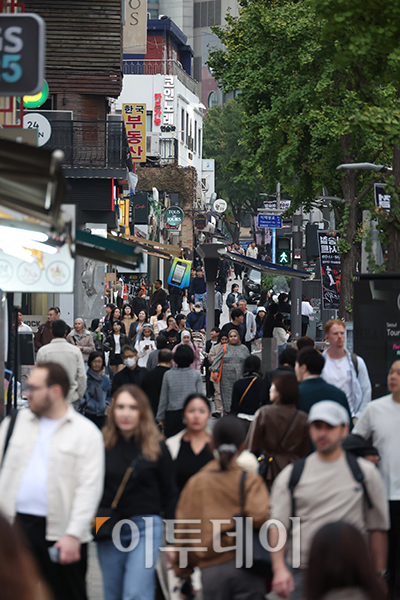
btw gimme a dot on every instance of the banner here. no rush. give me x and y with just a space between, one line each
135 126
135 27
179 275
330 269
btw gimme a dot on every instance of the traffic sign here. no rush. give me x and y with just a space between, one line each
270 221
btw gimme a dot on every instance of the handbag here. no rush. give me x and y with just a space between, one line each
261 563
265 463
109 513
217 376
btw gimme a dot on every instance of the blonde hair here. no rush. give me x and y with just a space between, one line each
147 434
332 322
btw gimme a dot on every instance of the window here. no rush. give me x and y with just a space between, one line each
199 144
152 13
182 125
212 99
195 136
207 14
149 120
187 130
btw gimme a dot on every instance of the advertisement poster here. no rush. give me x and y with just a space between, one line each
135 126
179 274
330 269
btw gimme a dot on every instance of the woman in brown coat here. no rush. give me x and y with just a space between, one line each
279 431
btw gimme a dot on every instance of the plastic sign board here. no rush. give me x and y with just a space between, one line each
174 216
135 126
269 221
37 99
381 199
22 38
220 205
41 124
179 275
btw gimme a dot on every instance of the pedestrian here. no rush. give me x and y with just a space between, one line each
128 317
284 304
51 479
219 409
222 275
306 311
249 324
198 287
380 422
233 298
260 322
70 357
215 494
109 309
345 370
115 316
81 338
140 303
115 342
162 319
175 297
44 333
213 341
304 342
15 559
154 319
98 392
269 321
159 296
235 323
21 326
280 332
136 327
252 250
133 441
176 386
312 388
340 566
152 380
187 340
196 320
98 336
161 344
327 486
219 305
286 363
279 432
181 324
229 364
145 344
248 391
131 373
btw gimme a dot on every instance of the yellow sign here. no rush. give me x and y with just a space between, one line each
135 126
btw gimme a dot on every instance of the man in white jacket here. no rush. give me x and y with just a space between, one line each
51 479
252 250
249 322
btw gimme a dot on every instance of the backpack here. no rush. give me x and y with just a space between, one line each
355 468
354 361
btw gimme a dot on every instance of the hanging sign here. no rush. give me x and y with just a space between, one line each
331 271
135 126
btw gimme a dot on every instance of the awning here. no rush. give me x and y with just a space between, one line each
264 267
158 249
115 251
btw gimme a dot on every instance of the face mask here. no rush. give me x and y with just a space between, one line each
130 362
197 310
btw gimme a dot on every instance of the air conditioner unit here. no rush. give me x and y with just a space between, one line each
153 144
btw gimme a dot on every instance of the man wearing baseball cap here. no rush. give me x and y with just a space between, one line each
329 485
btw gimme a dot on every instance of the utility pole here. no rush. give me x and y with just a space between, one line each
296 286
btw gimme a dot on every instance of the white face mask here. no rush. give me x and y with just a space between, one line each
197 310
130 361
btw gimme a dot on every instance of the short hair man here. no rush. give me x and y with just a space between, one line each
44 333
236 322
381 422
159 296
67 355
249 324
327 491
252 250
198 287
197 319
131 373
345 370
139 303
152 381
312 388
51 479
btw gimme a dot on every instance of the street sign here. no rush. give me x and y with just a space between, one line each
41 124
381 199
174 216
269 221
21 54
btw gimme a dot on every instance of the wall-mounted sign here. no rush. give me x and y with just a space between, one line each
21 54
138 209
157 109
331 270
220 205
174 216
135 27
169 94
179 274
41 124
135 125
200 222
37 99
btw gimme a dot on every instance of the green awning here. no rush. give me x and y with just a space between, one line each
107 250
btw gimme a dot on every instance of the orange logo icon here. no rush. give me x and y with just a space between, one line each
100 521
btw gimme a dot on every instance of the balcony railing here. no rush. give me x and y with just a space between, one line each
95 144
160 67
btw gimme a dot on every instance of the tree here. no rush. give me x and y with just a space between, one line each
299 112
222 141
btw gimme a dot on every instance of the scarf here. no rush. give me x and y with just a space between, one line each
95 388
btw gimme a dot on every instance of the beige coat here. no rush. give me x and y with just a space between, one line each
86 342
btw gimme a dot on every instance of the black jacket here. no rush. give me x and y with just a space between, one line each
254 397
139 304
128 376
151 384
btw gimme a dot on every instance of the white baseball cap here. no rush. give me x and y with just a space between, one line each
330 412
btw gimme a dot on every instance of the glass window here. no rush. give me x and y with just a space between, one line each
199 142
187 130
149 120
153 13
212 99
183 125
195 136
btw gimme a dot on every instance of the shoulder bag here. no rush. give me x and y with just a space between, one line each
247 389
217 376
107 517
264 462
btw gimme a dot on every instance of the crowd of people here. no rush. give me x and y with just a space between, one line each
139 423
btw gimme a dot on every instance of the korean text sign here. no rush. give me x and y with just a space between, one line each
135 126
330 269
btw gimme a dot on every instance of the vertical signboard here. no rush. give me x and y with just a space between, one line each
135 125
330 269
135 28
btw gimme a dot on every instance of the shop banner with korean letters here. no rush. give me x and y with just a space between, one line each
330 269
135 126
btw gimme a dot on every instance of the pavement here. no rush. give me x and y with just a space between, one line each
94 578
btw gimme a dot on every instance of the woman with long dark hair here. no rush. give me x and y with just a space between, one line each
131 438
247 393
279 432
137 327
340 566
214 493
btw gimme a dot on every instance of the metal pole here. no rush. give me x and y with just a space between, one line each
3 325
274 245
210 308
296 286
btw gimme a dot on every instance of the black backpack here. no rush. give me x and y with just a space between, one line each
355 468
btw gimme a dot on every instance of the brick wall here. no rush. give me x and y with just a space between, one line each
84 107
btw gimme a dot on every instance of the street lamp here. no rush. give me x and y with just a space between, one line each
365 167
